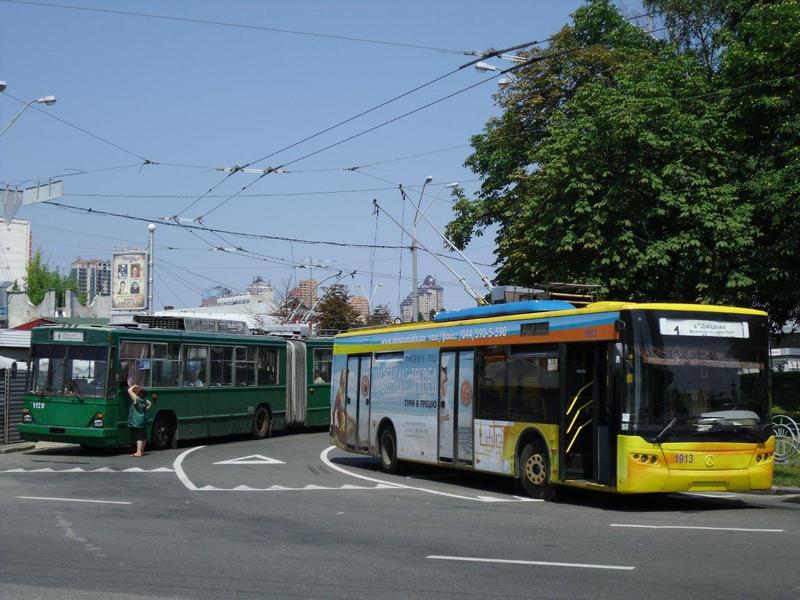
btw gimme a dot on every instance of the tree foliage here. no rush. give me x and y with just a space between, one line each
334 311
380 315
40 278
662 169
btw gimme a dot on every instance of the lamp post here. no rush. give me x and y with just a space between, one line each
369 296
151 228
48 100
417 214
414 294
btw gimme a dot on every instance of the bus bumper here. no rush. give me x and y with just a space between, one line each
86 436
689 467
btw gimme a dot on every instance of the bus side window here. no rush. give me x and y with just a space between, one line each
245 366
194 365
134 360
492 383
267 366
322 365
221 365
166 365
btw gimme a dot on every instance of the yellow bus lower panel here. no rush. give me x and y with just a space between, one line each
643 467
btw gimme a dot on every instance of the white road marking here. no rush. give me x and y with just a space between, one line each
176 466
307 488
253 459
540 563
696 527
73 500
324 458
82 470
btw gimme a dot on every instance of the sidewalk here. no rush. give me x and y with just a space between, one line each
24 446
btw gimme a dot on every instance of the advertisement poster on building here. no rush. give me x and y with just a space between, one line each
129 280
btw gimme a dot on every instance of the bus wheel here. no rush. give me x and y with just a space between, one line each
534 470
261 423
163 431
388 452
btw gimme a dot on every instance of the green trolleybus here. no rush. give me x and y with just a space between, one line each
615 396
200 384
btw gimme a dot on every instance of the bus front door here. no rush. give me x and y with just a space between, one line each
585 444
357 401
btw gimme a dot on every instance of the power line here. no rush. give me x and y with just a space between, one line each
347 120
77 172
93 211
166 285
332 36
268 195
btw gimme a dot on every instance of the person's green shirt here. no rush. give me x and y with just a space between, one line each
137 413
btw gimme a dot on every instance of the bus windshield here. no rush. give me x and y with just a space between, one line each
703 377
79 371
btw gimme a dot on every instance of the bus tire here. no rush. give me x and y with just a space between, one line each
163 431
261 423
388 452
534 470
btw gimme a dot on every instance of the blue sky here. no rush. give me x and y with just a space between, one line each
213 96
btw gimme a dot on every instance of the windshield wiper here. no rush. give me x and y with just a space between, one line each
664 431
74 389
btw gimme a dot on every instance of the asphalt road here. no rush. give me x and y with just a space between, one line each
288 517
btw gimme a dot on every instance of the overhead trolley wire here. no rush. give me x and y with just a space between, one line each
93 211
198 21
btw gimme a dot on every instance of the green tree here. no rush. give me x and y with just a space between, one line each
334 311
40 278
760 66
380 315
618 161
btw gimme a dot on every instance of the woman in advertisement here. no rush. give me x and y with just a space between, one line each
338 420
445 408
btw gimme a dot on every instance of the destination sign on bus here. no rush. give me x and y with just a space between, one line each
701 328
68 336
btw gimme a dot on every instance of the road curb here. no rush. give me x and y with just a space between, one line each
784 491
16 447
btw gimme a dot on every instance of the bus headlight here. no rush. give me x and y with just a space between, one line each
27 417
98 421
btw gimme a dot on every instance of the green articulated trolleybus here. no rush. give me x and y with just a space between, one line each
201 384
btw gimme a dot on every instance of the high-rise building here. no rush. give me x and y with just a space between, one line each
93 277
361 306
431 299
306 292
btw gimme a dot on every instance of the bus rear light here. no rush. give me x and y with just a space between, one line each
27 417
98 421
653 460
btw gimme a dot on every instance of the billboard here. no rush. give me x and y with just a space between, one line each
129 280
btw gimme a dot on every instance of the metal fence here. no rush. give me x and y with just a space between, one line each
12 389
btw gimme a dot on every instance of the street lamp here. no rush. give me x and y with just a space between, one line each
414 296
151 246
417 214
370 295
48 100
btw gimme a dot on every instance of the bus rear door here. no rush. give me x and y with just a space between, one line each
357 401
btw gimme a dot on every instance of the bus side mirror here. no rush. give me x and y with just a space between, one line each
14 370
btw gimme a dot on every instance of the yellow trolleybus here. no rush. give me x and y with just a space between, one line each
616 396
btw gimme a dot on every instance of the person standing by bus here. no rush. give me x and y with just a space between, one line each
137 416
